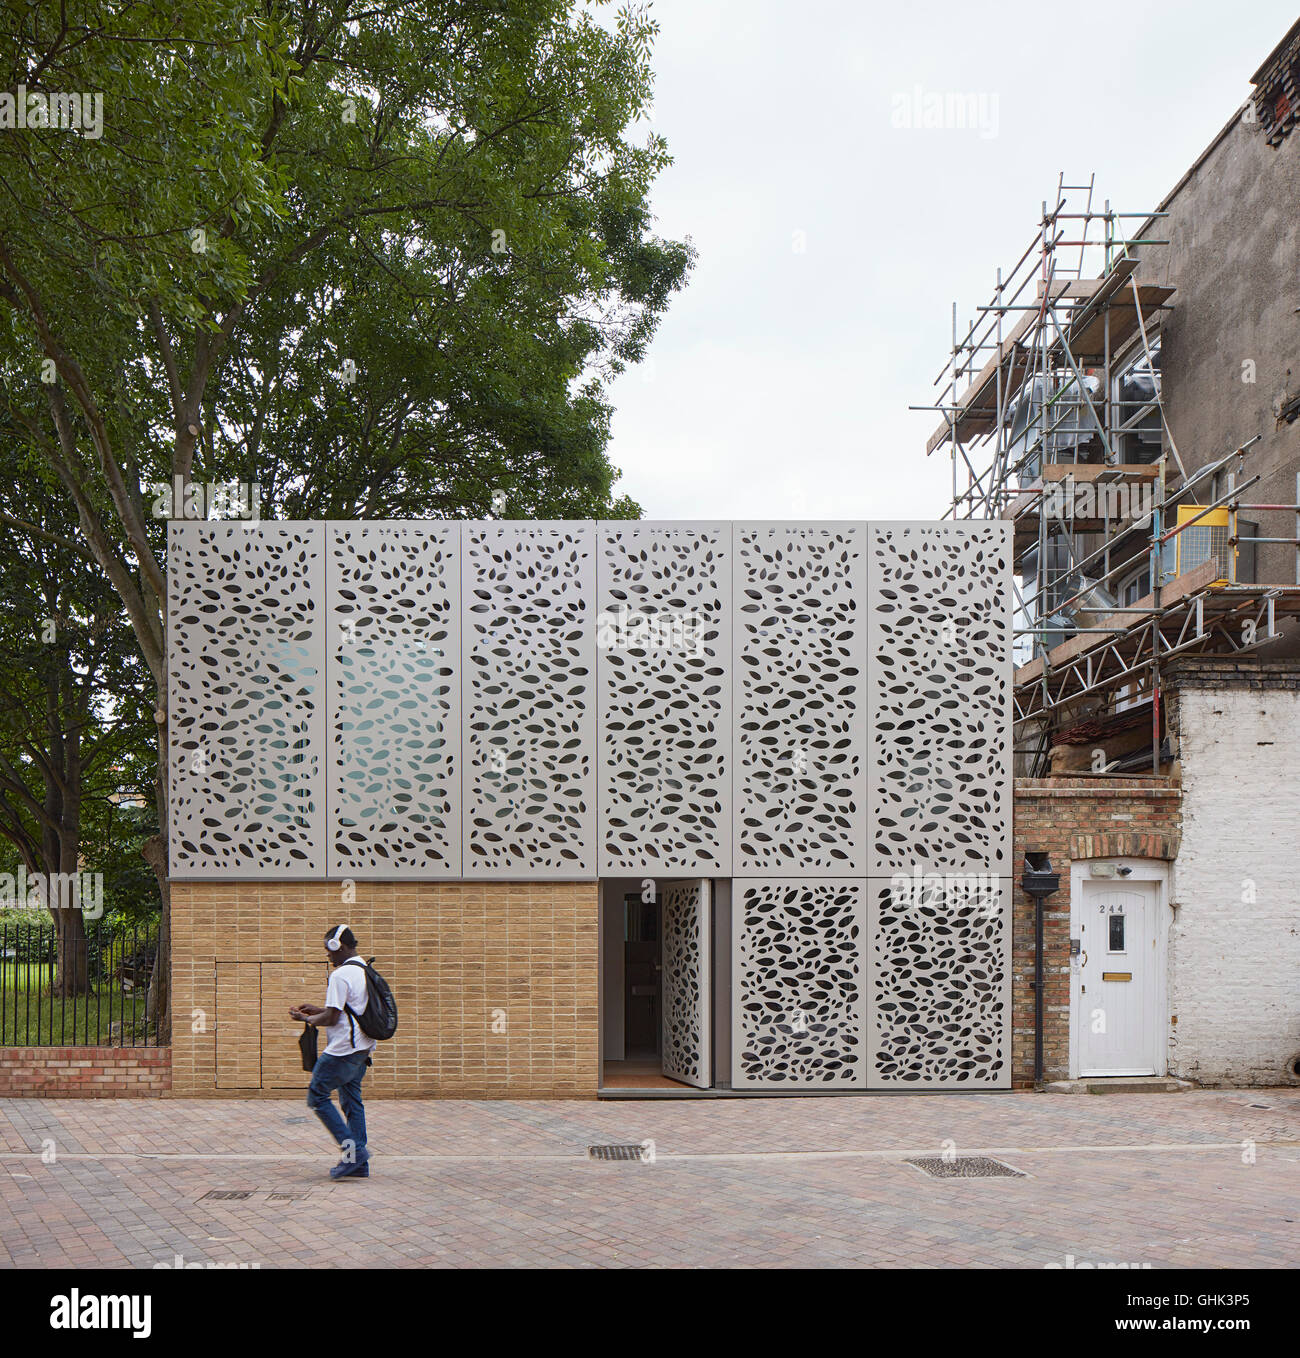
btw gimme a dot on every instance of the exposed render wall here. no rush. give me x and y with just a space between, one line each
1234 946
1230 351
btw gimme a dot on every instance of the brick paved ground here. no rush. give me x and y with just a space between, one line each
1139 1179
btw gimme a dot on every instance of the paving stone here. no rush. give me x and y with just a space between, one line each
1138 1178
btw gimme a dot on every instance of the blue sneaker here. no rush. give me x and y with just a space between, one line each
350 1169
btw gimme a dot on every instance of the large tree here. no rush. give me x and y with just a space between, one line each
71 689
376 259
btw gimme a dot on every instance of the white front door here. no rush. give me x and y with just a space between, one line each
1117 978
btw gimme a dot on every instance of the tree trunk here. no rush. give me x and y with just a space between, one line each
62 840
158 1003
72 970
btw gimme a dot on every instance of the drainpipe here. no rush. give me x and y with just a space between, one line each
1039 881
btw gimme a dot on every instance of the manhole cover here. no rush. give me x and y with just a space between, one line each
618 1152
227 1195
287 1195
965 1167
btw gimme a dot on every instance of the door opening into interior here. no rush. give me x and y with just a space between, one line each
642 969
657 994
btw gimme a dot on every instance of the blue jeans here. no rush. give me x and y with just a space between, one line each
345 1074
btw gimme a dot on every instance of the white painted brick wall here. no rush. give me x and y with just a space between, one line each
1234 946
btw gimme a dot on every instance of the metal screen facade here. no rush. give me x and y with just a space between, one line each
940 784
819 712
687 961
393 625
665 726
529 679
939 806
246 700
798 983
800 692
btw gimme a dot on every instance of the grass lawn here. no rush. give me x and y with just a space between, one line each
29 1018
25 975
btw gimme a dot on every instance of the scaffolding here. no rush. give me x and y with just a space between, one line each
1124 558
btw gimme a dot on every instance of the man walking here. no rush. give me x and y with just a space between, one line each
342 1064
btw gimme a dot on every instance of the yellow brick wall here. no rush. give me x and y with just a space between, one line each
495 984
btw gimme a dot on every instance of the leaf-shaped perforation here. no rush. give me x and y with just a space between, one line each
798 983
529 728
394 723
800 721
940 675
246 651
939 998
686 990
665 708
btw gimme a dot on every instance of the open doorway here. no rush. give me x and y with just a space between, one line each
642 994
656 947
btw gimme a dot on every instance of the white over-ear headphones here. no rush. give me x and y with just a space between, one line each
332 942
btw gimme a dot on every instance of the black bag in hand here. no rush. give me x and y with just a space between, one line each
308 1042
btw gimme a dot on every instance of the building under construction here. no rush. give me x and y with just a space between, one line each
1138 537
1127 399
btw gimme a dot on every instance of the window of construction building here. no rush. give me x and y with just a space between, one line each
1135 392
1134 587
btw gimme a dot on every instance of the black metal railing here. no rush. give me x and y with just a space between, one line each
92 991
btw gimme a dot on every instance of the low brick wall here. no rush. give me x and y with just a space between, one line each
85 1072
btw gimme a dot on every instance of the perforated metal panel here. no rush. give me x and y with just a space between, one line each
529 695
940 981
799 689
940 696
663 634
798 983
393 623
687 982
246 699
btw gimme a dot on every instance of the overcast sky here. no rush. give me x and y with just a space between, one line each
779 381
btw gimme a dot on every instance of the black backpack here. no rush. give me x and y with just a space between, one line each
379 1018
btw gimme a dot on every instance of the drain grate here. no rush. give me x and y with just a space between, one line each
627 1152
227 1195
965 1167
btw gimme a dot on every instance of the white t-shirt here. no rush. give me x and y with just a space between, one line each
347 986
